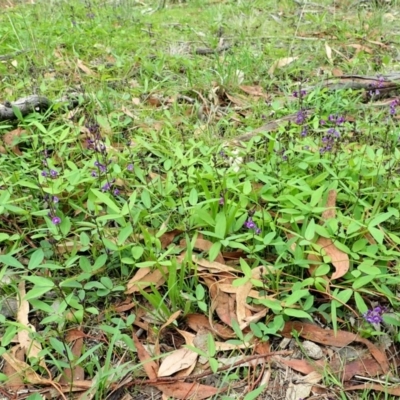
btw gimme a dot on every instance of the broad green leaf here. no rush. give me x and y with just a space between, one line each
344 295
146 198
255 393
65 226
377 234
295 297
105 198
10 261
36 259
247 187
291 312
378 219
310 231
220 225
361 306
124 233
362 281
193 197
214 251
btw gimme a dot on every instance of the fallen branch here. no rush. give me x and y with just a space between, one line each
206 50
34 103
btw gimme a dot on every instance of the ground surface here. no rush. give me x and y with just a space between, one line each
199 199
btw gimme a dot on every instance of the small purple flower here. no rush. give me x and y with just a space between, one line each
56 220
374 316
332 118
304 132
100 166
340 120
106 187
116 192
221 201
300 117
299 94
130 167
44 173
333 132
250 224
94 174
55 199
322 122
392 106
258 231
53 173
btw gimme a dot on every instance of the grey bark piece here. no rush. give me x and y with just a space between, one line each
33 103
312 350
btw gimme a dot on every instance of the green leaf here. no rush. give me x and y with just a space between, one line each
310 231
377 234
247 187
105 198
254 393
291 312
391 319
214 251
28 184
344 295
146 199
137 252
3 236
10 261
295 297
361 306
378 219
362 281
36 259
220 225
124 233
100 261
193 197
65 226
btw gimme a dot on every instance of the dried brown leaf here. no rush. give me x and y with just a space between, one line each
339 259
282 62
328 337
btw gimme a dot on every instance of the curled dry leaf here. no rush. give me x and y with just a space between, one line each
282 62
144 278
328 337
177 361
339 259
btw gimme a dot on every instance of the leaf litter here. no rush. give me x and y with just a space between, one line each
230 304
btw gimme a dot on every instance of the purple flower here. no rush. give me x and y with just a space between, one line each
53 173
340 120
116 192
56 220
100 166
221 201
392 106
304 132
322 122
106 187
55 199
44 173
94 174
300 117
130 167
250 224
301 93
374 316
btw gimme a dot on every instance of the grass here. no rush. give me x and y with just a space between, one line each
136 218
